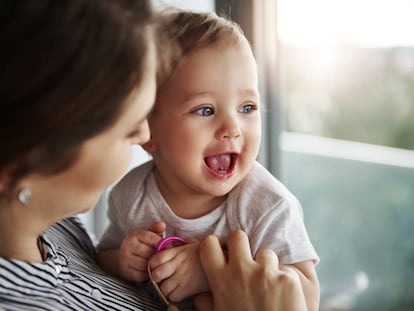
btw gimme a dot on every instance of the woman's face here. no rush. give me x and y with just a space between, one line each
102 159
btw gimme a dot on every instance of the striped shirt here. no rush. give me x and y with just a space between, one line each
69 279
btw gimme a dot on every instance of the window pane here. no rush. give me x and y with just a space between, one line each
359 215
347 92
348 69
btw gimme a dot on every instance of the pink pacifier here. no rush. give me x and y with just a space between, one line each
174 240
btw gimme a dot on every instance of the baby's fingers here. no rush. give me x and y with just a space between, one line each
133 268
204 302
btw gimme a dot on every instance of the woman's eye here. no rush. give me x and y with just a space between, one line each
247 108
204 111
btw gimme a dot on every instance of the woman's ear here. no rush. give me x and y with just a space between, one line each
150 146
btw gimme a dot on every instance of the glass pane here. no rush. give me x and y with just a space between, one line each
347 69
360 217
346 87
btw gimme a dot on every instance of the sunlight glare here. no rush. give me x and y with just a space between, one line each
355 22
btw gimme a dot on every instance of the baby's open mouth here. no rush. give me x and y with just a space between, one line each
221 163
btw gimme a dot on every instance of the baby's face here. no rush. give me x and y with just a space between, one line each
207 124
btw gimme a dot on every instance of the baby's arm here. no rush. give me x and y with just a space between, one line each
129 261
180 271
310 283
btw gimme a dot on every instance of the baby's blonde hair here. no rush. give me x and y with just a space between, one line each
189 30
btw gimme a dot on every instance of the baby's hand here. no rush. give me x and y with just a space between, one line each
178 271
135 250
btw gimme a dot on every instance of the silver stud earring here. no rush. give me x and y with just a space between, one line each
24 196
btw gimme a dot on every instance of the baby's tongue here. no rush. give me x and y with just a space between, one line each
219 162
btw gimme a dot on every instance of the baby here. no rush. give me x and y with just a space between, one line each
204 178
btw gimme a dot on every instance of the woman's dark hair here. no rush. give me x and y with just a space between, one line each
67 67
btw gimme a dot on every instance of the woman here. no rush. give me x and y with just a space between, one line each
77 81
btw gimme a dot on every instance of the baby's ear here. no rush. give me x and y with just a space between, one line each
150 146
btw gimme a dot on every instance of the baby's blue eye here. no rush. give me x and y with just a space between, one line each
204 111
246 108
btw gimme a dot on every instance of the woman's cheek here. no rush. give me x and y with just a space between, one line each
114 164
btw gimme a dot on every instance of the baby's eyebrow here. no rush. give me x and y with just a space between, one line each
249 92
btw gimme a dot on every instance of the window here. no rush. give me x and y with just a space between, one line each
346 73
347 69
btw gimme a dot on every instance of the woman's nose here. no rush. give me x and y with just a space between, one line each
144 134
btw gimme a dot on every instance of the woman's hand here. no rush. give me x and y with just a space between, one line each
239 282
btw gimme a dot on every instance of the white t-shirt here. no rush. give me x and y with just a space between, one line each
260 205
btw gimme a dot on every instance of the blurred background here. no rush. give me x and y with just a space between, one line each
337 82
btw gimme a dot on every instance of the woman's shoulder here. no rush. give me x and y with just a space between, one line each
71 235
69 279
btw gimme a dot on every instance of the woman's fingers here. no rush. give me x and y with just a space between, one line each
211 254
241 283
267 257
238 247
